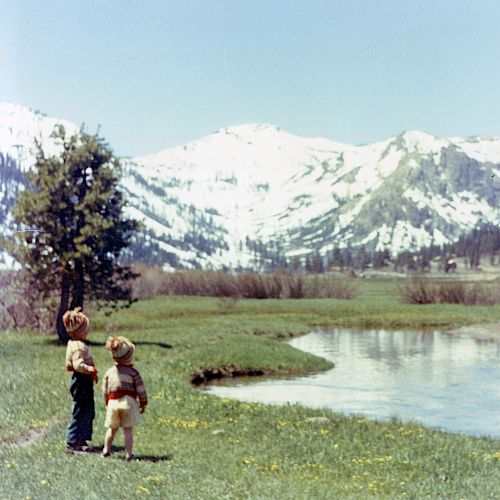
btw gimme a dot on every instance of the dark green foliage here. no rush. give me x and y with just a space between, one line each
76 230
314 264
381 258
482 241
267 256
362 258
337 259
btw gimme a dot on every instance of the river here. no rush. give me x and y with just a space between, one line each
439 380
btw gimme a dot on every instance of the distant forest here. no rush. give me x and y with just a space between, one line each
480 244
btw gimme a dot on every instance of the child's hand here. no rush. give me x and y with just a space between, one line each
95 378
142 408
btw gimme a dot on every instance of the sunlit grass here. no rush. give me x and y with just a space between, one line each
195 445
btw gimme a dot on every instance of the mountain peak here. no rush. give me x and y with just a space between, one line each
417 136
20 125
246 128
218 199
416 141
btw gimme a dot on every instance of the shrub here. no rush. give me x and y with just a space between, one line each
452 293
488 295
418 291
295 286
330 286
22 307
208 283
154 281
421 291
149 283
262 286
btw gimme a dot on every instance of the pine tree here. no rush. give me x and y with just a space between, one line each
296 264
74 211
362 258
337 259
316 263
347 257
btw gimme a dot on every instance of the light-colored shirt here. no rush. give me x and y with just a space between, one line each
124 380
79 358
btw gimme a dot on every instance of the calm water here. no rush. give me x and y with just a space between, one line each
434 378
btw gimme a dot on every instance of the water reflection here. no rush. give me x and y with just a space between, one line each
438 379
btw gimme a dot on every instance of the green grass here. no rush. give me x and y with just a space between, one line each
195 445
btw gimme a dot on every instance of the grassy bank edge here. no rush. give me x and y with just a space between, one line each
299 453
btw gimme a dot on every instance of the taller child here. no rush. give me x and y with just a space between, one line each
79 361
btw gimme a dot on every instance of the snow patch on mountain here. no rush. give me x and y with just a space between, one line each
21 126
223 199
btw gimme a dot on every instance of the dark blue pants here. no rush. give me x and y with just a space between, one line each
83 411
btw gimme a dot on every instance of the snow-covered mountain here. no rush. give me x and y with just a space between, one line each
232 197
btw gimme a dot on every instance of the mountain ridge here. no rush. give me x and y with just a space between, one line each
218 201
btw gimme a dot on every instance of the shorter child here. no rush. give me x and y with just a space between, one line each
122 385
79 361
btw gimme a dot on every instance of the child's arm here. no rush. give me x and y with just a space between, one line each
81 359
105 390
69 358
141 391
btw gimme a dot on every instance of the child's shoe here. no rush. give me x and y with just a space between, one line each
73 448
84 447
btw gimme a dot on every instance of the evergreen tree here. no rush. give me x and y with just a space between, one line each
296 264
337 259
74 212
347 257
308 264
316 263
380 258
362 258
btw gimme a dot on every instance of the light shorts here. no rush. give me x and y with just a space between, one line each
123 412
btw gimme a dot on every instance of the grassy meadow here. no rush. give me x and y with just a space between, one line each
195 445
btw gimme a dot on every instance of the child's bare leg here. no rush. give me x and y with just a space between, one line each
108 440
129 440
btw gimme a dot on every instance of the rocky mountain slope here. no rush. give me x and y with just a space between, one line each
244 194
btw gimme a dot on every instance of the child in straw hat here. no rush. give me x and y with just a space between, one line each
122 386
79 361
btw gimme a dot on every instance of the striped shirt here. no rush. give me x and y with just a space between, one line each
124 380
79 358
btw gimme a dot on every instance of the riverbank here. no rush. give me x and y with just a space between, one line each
480 331
195 445
443 381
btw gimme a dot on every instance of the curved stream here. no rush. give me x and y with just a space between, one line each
437 379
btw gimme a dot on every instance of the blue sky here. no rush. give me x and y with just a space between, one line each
154 74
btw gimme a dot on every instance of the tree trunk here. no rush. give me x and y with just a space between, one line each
78 292
63 307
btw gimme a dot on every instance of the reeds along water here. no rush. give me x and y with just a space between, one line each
274 285
424 291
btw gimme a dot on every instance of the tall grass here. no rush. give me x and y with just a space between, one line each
277 285
422 291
